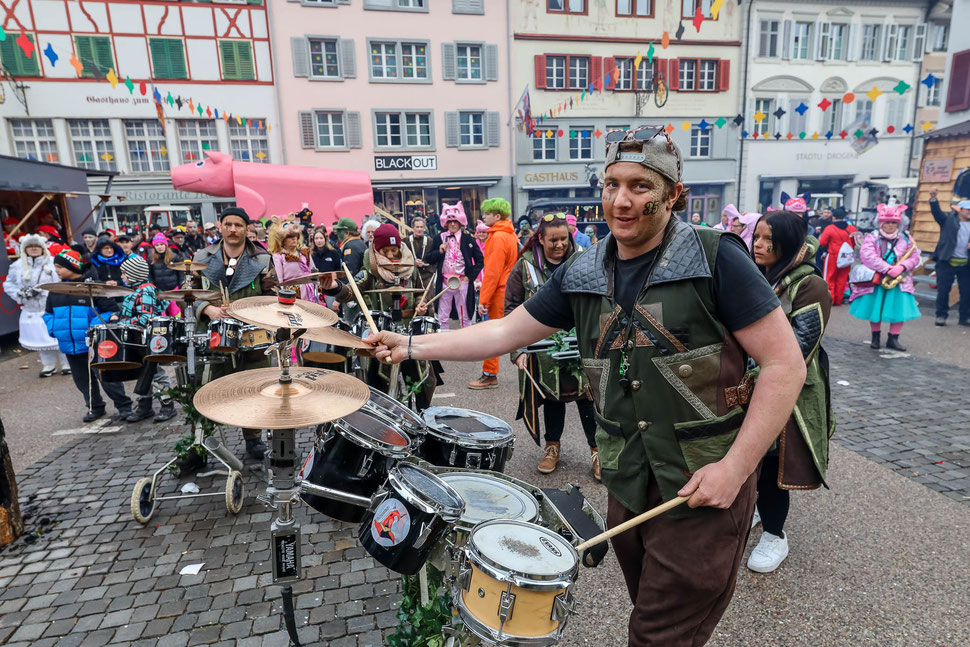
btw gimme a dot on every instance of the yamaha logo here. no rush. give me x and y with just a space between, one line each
548 545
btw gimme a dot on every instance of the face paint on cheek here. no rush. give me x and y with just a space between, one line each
609 196
651 208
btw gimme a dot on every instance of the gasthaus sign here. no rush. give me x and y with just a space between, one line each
406 163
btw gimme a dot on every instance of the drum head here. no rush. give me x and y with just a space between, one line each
388 406
487 497
420 485
374 433
467 427
523 549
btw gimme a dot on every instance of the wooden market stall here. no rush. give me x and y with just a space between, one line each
946 152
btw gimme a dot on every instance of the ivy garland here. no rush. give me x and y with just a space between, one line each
420 626
184 395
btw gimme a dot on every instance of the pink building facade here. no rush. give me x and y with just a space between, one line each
414 92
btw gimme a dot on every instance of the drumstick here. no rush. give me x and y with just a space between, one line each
437 296
428 287
363 304
635 521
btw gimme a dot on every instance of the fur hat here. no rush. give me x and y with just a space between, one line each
69 259
135 268
385 236
481 228
890 213
32 240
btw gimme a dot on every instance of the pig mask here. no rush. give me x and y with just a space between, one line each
212 175
453 212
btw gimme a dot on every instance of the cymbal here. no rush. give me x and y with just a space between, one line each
335 336
397 289
189 295
256 399
86 289
182 266
267 312
302 280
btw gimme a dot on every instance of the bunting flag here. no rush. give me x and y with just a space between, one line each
51 55
25 44
929 81
3 34
112 78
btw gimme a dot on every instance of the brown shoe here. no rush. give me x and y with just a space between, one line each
595 457
550 458
484 382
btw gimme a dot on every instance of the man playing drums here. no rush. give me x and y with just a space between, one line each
665 315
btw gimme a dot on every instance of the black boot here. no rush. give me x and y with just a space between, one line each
892 341
166 411
255 448
875 340
142 411
93 415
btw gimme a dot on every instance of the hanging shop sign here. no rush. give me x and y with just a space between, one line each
406 163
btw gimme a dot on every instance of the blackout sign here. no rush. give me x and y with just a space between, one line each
406 163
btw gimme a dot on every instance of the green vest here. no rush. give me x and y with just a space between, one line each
681 406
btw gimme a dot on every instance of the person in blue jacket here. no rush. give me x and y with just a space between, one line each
68 319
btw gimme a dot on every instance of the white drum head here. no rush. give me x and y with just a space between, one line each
523 548
487 497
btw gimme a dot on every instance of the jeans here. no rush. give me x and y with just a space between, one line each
115 390
945 275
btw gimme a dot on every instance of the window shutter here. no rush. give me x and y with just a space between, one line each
161 63
301 56
102 53
919 41
348 61
724 75
609 68
176 59
815 50
595 71
540 71
889 41
13 57
354 139
491 62
852 42
85 52
673 79
308 131
228 53
493 128
451 130
468 6
449 63
660 69
786 43
244 59
921 97
958 94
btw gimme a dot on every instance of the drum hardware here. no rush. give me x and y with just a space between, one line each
189 295
465 438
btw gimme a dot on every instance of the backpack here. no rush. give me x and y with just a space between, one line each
845 257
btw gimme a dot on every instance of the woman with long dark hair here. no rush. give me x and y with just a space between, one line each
799 458
326 258
551 383
159 272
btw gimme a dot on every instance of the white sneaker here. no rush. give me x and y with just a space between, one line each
768 555
756 519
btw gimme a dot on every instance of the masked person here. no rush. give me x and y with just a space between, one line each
457 255
666 316
352 248
291 258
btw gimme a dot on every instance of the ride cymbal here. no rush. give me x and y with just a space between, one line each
86 289
256 399
336 337
302 280
271 313
189 295
189 266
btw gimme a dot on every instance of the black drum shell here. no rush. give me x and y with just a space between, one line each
173 332
229 332
129 354
438 451
404 558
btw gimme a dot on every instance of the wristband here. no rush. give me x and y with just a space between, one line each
409 345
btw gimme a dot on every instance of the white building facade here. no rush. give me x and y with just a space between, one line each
209 64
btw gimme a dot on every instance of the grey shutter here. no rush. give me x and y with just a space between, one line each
919 41
786 41
301 56
851 45
308 132
449 63
491 62
492 128
815 47
354 139
468 6
452 139
348 64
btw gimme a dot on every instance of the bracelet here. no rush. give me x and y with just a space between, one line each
409 345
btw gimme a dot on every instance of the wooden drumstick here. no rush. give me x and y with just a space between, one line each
363 304
449 285
428 288
436 297
635 521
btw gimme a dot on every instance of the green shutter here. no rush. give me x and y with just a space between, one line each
94 51
168 59
15 61
237 60
176 59
102 53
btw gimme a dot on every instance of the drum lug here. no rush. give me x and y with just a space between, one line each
378 499
505 606
473 461
365 465
464 578
423 536
562 606
453 455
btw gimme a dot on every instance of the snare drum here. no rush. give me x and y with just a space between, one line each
382 319
466 438
167 340
414 511
381 405
355 456
425 325
230 335
514 584
117 346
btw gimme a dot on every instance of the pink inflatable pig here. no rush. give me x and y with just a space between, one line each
272 189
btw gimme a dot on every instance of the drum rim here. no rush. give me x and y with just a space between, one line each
475 443
527 581
345 429
416 420
419 499
488 477
483 631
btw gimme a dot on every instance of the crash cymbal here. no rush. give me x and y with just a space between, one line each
255 399
394 290
302 280
189 295
335 336
86 289
182 266
323 357
270 313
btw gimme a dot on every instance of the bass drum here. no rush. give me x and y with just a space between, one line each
466 438
117 346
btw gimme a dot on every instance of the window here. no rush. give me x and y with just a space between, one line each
398 61
766 107
410 4
801 43
900 52
556 72
324 62
543 148
958 92
383 60
146 146
939 37
15 61
195 137
700 142
91 141
414 60
833 117
469 62
248 140
417 129
580 148
566 6
237 60
394 5
168 58
933 94
578 72
832 43
388 129
708 78
93 51
471 128
688 74
895 108
645 76
870 42
639 8
624 77
33 139
691 7
330 130
863 110
768 44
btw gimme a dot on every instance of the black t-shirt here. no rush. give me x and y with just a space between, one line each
742 296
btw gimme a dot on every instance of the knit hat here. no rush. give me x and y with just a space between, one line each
345 224
890 213
135 268
234 211
385 236
570 219
47 229
159 239
69 259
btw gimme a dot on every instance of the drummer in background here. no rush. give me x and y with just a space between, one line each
665 315
245 270
68 318
543 254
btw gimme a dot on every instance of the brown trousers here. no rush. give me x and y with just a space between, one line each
681 572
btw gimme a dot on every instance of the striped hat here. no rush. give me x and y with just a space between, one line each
69 259
135 268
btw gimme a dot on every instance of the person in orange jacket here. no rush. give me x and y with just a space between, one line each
831 240
501 253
